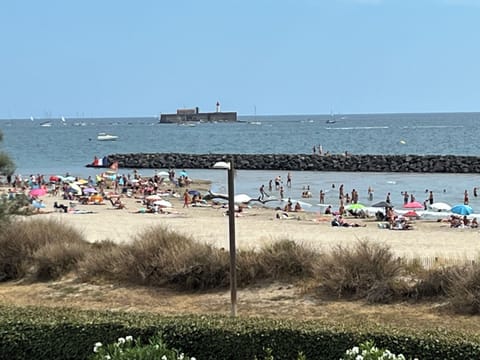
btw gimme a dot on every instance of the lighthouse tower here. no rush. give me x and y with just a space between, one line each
218 107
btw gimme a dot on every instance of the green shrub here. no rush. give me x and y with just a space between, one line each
16 206
41 333
128 348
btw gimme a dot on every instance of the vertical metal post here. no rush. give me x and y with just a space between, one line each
231 232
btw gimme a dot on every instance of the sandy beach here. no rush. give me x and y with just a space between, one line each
258 226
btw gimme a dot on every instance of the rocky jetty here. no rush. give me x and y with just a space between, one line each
304 162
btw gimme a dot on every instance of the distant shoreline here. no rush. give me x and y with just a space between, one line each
247 116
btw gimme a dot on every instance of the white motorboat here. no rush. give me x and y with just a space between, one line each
106 137
46 124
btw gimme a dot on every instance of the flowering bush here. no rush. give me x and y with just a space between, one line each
127 348
368 351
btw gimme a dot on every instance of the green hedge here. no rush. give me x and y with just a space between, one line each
41 333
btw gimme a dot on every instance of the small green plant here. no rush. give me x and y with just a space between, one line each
368 351
128 348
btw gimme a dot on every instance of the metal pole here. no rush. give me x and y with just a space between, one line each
231 232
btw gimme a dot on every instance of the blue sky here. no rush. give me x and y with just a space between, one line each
142 58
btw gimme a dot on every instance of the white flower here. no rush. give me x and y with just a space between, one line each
181 356
121 340
355 350
129 338
192 358
107 357
359 357
164 357
97 346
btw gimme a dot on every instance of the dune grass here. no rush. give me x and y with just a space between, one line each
44 250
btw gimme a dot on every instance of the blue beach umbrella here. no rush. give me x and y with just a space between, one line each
462 209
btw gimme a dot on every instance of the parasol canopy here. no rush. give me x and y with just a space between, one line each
462 209
357 206
37 192
440 207
413 205
382 204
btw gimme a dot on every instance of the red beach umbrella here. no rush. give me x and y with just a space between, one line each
38 192
411 214
413 205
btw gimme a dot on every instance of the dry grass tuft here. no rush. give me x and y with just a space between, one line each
365 270
33 248
433 283
286 259
464 289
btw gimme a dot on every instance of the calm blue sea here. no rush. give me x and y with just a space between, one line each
68 145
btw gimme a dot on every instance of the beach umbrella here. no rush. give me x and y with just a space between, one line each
462 209
440 207
242 198
194 192
74 188
355 207
411 213
69 179
382 204
163 173
81 182
163 203
413 205
183 173
37 192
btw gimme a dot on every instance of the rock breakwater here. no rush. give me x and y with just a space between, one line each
304 162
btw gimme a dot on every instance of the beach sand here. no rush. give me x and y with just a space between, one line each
259 226
255 228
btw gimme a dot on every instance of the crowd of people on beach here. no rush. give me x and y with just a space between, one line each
112 186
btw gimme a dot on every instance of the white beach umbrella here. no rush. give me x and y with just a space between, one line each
439 206
241 198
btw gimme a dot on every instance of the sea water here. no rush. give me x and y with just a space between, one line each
67 146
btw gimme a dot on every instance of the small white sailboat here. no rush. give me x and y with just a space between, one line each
106 137
255 122
332 119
